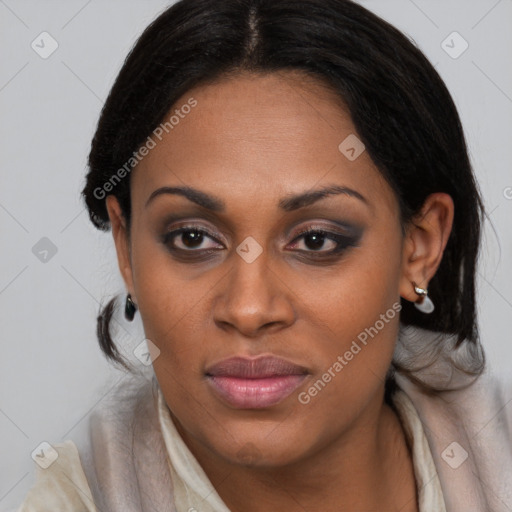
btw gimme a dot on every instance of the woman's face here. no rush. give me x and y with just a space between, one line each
221 268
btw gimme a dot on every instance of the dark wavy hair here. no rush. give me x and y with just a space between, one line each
399 105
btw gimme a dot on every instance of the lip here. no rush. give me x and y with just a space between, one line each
258 383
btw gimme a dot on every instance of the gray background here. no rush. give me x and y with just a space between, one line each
52 373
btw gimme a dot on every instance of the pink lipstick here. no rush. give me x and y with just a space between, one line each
255 383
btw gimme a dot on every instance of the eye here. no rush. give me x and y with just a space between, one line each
316 241
321 242
195 242
191 239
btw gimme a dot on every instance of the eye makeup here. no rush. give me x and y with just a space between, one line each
315 241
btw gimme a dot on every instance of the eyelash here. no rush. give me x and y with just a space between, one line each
342 242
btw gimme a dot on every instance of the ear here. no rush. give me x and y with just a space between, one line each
424 243
121 240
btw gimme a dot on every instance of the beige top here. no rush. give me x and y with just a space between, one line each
64 487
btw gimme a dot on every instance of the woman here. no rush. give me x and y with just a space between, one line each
297 224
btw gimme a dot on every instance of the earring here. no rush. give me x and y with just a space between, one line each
129 308
425 305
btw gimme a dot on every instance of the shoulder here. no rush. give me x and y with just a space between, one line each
470 438
485 400
60 482
120 465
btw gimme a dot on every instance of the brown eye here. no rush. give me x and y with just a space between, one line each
192 239
316 241
189 239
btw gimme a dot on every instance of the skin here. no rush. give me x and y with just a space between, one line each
251 141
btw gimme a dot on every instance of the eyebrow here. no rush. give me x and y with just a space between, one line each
288 203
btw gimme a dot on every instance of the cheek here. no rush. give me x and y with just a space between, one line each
357 312
174 316
364 285
165 288
171 304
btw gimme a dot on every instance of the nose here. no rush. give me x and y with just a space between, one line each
253 299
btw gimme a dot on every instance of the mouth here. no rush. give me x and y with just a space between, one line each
257 383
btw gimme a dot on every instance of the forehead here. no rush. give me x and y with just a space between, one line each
254 136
